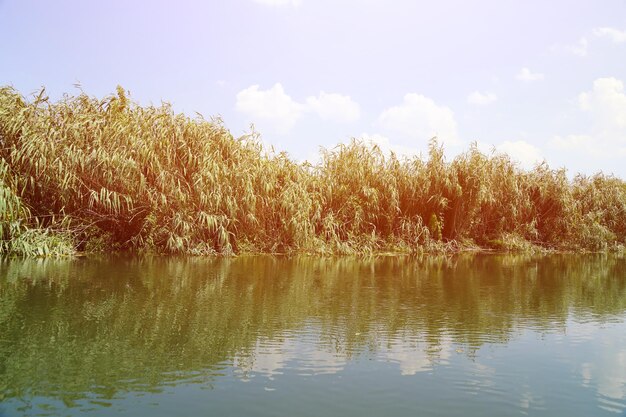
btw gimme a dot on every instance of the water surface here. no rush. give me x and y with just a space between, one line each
267 336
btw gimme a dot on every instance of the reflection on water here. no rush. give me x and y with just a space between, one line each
506 335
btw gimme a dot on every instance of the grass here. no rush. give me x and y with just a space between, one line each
89 174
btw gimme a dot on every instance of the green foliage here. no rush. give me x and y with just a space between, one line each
41 242
113 175
17 237
12 211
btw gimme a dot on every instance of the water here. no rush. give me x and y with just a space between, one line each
267 336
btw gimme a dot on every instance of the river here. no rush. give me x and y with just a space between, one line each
467 335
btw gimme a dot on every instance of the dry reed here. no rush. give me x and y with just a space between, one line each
106 174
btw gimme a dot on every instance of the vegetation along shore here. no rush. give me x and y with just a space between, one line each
85 174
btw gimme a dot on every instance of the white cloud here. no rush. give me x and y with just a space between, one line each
528 76
588 153
278 3
606 138
481 99
605 366
575 143
272 107
275 109
419 117
334 107
412 359
485 147
525 153
387 147
616 35
579 49
269 357
607 105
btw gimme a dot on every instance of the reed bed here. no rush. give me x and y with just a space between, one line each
89 174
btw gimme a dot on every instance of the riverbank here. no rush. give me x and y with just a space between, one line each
98 175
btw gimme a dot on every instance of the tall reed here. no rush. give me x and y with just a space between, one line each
109 174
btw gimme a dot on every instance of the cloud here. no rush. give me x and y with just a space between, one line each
605 366
607 105
275 109
419 117
278 3
575 143
385 145
526 154
272 107
579 49
334 107
414 358
616 35
528 76
606 138
269 358
481 99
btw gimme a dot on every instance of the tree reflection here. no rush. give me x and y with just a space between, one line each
98 328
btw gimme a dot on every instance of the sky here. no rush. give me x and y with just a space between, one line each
535 79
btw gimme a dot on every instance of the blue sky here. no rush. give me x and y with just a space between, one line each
538 80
